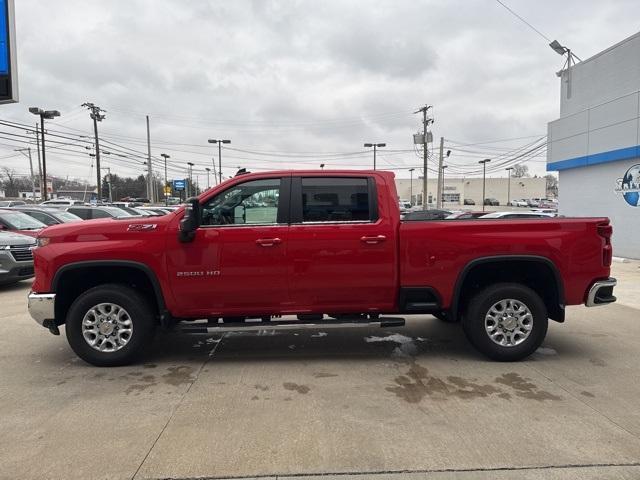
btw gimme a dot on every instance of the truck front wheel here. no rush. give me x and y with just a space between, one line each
506 321
110 325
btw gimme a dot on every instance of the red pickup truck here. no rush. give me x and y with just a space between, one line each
327 246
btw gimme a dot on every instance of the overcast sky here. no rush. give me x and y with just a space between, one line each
300 77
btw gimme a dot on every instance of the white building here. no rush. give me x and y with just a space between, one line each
456 190
595 144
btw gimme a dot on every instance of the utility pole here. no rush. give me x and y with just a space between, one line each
440 161
508 184
97 116
443 194
484 178
149 166
208 184
166 180
33 179
425 139
190 173
411 186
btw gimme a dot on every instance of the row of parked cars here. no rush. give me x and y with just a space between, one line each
21 222
437 214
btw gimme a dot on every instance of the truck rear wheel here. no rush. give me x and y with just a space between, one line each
506 321
110 325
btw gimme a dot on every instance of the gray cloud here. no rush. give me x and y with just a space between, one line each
299 75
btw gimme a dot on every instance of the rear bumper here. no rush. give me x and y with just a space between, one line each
601 293
42 307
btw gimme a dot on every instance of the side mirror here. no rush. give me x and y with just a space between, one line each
191 221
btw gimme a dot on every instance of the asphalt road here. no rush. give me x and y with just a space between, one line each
412 402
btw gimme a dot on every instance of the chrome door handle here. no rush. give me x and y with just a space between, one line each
268 242
373 240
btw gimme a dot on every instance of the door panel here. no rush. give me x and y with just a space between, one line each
236 263
340 266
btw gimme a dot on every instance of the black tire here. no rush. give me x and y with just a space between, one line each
444 317
140 313
473 322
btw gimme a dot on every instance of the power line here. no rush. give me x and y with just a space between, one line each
525 22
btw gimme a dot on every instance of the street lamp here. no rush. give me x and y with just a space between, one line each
219 142
375 146
484 177
166 180
411 186
208 184
189 173
49 115
508 184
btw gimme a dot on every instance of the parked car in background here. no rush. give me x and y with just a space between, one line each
518 203
16 257
89 213
48 216
491 202
61 202
15 221
468 201
517 215
464 215
11 203
153 210
431 214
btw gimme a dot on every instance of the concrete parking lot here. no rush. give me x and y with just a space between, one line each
412 402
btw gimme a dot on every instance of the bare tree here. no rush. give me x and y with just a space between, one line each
552 184
520 170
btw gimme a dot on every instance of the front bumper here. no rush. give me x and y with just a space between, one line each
601 293
42 307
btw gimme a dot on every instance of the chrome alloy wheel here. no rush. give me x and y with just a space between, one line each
107 327
508 322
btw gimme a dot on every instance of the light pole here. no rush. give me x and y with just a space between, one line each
442 198
166 180
508 184
219 142
189 173
208 184
49 115
375 147
411 186
484 177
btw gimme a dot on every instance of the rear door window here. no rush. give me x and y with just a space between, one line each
335 199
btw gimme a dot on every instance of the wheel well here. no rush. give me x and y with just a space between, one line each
538 275
71 283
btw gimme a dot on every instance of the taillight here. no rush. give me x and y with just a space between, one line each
605 230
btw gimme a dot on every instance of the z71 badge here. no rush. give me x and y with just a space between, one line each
199 273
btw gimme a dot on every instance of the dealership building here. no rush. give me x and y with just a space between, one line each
456 190
595 144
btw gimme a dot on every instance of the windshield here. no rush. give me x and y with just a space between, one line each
20 221
116 211
67 217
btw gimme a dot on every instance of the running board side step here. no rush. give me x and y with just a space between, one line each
206 327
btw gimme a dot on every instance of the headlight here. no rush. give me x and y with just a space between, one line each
42 241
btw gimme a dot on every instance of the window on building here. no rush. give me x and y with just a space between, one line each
335 199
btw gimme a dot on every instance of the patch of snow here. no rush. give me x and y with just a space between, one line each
320 334
396 337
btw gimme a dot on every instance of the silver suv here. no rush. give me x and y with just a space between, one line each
16 257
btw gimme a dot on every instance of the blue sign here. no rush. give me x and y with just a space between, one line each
4 38
179 185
